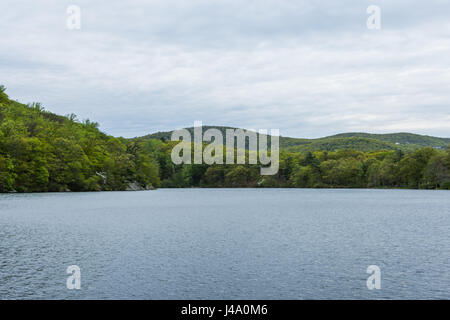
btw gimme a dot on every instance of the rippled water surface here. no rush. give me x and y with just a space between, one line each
226 244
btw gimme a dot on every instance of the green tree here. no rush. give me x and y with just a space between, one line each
239 176
437 172
7 175
412 167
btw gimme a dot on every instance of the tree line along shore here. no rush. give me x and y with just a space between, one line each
44 152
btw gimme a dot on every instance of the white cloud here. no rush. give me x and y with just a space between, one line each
308 69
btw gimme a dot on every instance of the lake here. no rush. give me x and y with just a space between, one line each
226 244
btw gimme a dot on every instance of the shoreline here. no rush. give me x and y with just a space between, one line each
225 188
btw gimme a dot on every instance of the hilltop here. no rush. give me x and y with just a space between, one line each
41 151
356 141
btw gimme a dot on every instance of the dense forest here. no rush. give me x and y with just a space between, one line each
41 151
357 141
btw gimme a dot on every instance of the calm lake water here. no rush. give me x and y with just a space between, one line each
226 244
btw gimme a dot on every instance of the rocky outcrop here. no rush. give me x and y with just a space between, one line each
134 186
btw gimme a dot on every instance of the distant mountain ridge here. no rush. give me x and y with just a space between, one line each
353 140
402 138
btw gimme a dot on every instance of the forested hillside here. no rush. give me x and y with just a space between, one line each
41 151
425 168
407 141
355 141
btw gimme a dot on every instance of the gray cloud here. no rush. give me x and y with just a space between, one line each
308 69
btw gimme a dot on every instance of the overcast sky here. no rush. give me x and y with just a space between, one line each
308 68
